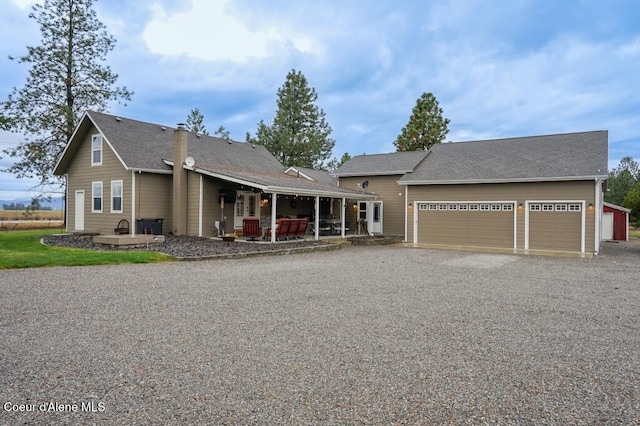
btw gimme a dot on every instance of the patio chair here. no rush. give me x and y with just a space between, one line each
122 228
282 228
303 223
293 228
251 227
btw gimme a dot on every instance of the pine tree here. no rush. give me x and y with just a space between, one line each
426 126
223 133
195 122
299 134
67 77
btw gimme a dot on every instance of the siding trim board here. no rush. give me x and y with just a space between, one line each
512 180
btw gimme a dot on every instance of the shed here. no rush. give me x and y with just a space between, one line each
615 222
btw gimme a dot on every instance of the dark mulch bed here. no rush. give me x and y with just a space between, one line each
182 246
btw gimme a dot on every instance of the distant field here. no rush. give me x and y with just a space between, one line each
34 215
37 219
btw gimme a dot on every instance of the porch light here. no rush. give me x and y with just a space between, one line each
520 206
590 206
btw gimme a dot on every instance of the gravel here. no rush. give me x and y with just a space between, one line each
362 335
184 246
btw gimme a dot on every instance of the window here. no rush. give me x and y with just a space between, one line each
547 207
495 207
423 206
534 207
433 207
362 207
473 207
442 206
462 207
561 207
96 150
453 207
575 207
96 206
484 207
116 196
507 207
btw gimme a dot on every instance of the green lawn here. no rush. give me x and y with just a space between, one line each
634 233
22 249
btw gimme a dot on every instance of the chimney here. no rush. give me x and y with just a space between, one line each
180 152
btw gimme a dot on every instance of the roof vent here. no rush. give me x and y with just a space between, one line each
253 145
163 128
198 135
181 126
118 119
229 141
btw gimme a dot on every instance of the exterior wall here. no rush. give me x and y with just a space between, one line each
153 198
389 192
519 193
80 176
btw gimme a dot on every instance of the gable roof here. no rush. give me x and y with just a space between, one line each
569 156
143 146
396 163
322 176
148 147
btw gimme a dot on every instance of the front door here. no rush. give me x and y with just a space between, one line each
370 217
79 211
376 217
246 205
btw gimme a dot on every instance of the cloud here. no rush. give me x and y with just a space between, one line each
210 32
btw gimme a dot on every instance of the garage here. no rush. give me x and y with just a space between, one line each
555 225
463 223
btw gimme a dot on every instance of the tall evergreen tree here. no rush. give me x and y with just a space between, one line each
621 180
222 133
335 162
195 122
299 134
426 126
67 77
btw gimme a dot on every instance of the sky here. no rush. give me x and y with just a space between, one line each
499 68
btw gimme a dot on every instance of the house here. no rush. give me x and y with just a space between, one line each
539 193
184 183
615 222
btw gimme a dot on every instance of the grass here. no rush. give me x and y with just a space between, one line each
634 232
22 249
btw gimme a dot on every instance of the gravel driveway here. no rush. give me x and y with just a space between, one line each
362 335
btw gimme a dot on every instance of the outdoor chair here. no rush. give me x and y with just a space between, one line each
251 228
122 228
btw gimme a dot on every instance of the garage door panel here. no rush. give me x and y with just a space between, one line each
555 231
469 228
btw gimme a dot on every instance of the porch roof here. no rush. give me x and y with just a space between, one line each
275 182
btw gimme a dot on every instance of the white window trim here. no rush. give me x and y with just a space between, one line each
113 183
99 138
93 196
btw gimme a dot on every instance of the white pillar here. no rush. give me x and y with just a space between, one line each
342 215
274 201
316 225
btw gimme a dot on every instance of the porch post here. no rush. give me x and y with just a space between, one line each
274 201
342 216
317 219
